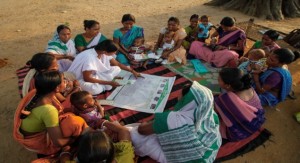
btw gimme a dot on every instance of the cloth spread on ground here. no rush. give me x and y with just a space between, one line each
208 79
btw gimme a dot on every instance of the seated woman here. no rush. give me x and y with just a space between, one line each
62 47
189 133
36 121
177 53
229 47
96 68
239 109
275 83
191 31
124 38
91 37
42 62
267 43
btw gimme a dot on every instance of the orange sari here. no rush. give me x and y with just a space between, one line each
41 143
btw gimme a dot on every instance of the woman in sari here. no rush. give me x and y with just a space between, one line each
267 42
189 133
230 46
191 31
275 83
96 68
91 37
62 47
124 38
42 62
36 121
239 109
177 53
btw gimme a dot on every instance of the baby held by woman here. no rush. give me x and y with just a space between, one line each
255 61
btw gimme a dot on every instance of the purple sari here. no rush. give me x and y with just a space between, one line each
239 119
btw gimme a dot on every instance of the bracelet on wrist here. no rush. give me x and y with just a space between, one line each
63 153
102 124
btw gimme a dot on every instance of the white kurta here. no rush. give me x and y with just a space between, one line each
101 69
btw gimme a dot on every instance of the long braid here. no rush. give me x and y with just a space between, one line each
30 106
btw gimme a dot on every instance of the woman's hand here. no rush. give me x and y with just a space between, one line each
220 47
136 74
129 57
255 77
114 84
76 83
69 57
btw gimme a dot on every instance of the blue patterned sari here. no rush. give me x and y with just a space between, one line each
127 40
267 98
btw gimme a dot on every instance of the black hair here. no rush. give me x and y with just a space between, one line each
106 45
194 16
286 56
128 17
61 27
142 38
186 88
204 17
41 61
89 23
78 98
228 21
236 79
174 19
95 147
272 34
45 82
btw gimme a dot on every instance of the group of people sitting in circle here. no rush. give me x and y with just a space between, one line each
58 108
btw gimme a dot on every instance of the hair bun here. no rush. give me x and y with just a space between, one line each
247 81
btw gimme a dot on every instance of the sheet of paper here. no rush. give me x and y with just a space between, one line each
148 94
153 56
124 81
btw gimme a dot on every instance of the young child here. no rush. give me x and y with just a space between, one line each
256 60
88 108
167 45
204 27
139 49
96 146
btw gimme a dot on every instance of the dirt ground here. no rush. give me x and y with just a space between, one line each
26 26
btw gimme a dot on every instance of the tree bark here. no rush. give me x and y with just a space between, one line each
265 9
291 8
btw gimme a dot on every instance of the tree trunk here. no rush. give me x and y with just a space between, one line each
291 8
266 9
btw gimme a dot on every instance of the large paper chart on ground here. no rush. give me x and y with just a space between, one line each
148 94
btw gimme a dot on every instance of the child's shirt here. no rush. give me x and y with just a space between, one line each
90 115
137 49
243 66
168 45
205 30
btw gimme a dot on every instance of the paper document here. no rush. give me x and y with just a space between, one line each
148 94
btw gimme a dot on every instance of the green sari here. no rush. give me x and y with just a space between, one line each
190 133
